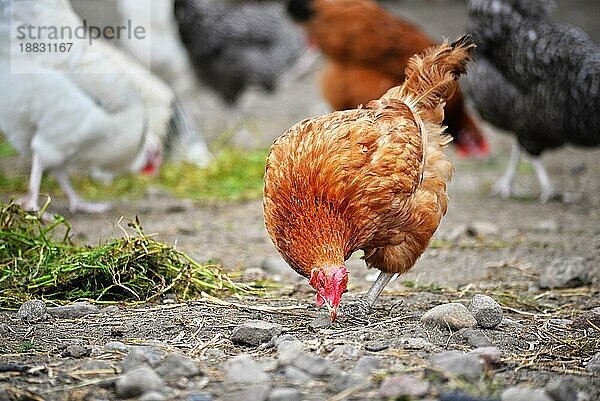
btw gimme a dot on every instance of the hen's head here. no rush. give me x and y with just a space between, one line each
330 283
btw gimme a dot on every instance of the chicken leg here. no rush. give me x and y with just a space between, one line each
548 193
503 187
30 201
362 307
75 202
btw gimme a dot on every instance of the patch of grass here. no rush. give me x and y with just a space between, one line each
26 346
234 175
6 149
39 261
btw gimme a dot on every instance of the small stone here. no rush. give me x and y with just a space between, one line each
470 367
415 343
486 311
345 352
214 354
593 365
453 316
587 319
491 356
116 346
365 367
376 346
76 351
565 273
547 226
253 274
255 332
395 387
140 356
74 311
199 397
175 365
297 375
322 321
561 389
243 369
138 381
524 394
482 229
152 396
475 338
290 353
286 394
254 392
110 310
33 311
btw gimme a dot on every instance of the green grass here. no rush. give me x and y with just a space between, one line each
234 175
39 261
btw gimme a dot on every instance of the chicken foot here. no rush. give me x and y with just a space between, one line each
360 310
75 202
504 186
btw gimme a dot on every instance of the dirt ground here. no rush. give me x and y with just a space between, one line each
484 245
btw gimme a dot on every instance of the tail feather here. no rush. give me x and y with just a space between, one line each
431 78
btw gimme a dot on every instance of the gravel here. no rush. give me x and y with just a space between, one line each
176 365
470 367
138 381
399 386
561 389
565 273
524 394
243 369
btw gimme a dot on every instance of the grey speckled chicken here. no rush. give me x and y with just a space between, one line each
234 44
537 78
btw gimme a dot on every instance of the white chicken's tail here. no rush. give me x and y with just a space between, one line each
431 78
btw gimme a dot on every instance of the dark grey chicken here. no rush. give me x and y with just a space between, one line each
537 78
234 44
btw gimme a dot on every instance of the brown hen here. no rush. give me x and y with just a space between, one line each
367 50
371 179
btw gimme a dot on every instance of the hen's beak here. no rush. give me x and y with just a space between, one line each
332 311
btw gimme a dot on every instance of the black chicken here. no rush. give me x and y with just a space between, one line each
537 78
235 44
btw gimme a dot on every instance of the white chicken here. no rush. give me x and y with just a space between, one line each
91 108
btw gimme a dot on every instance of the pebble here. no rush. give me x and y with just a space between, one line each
142 355
486 311
565 273
76 351
243 369
33 311
322 321
345 352
470 367
524 394
199 397
453 316
290 353
138 381
395 387
255 392
117 346
456 396
561 389
253 274
475 338
482 229
588 318
491 356
376 346
593 365
296 375
110 310
74 311
285 394
176 365
415 343
152 396
255 332
365 367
